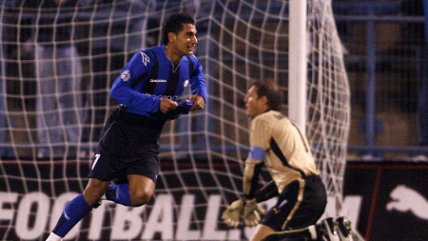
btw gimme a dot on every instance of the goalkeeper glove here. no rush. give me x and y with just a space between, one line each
231 216
247 211
252 213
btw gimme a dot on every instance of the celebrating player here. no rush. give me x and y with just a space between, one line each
148 90
278 144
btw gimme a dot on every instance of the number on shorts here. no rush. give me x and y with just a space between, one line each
97 157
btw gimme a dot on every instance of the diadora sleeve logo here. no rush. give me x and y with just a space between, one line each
125 75
144 58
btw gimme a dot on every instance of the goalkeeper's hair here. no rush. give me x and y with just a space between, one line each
174 24
271 90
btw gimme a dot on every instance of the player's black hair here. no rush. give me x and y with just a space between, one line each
174 24
271 90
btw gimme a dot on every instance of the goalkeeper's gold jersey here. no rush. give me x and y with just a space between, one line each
288 153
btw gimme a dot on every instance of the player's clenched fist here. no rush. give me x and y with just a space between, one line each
167 105
198 102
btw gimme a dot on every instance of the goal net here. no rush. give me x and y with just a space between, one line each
57 65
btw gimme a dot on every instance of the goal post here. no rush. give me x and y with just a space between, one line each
318 90
297 63
202 154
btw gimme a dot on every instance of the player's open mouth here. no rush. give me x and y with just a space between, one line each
191 48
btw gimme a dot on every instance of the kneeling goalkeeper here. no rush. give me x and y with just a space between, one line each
279 145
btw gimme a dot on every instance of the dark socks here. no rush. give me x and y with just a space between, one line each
119 193
74 211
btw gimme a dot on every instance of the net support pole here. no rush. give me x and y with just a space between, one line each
297 63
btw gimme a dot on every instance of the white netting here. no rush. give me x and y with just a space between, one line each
45 152
328 111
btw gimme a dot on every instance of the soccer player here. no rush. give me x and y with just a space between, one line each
148 90
279 145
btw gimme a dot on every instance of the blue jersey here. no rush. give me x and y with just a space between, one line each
150 76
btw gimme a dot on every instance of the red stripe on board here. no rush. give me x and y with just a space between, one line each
373 203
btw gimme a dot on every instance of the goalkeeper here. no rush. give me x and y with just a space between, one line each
278 144
148 90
